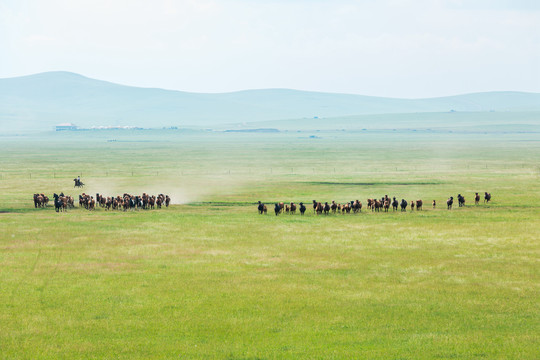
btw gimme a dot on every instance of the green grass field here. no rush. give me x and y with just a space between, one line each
209 278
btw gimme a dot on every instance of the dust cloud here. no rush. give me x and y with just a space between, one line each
182 190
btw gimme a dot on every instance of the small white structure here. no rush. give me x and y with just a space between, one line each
66 126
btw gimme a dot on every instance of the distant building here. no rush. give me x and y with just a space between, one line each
66 126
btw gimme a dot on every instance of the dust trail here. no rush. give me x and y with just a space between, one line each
182 190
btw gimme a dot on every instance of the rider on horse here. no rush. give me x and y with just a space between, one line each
78 182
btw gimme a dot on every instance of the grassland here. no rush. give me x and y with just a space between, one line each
209 278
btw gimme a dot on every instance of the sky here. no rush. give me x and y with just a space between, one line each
392 48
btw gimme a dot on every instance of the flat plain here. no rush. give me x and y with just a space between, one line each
210 278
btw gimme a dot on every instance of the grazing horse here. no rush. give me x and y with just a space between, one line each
461 200
419 204
395 204
476 199
449 203
487 197
302 208
277 209
404 204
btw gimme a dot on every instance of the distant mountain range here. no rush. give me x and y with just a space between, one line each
41 101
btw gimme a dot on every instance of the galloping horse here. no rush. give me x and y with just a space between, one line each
78 183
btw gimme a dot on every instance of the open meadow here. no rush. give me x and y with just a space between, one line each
209 278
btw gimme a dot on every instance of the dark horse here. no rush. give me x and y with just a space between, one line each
461 200
403 205
78 183
302 208
277 209
262 208
58 204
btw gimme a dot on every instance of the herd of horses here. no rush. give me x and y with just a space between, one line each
355 206
125 202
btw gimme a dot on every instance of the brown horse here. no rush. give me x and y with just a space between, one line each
333 206
293 208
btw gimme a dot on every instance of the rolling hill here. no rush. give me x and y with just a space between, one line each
40 101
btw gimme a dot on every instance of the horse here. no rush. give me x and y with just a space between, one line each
326 208
277 209
293 208
39 200
302 208
395 204
59 203
476 199
377 205
419 204
461 200
449 203
386 205
319 208
404 204
356 206
487 197
78 183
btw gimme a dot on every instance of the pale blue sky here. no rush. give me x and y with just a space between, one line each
397 48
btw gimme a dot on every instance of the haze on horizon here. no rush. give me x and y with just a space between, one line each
391 48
